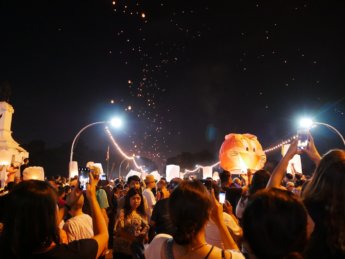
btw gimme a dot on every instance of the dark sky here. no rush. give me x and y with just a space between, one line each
182 73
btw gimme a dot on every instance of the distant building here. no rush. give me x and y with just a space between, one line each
10 150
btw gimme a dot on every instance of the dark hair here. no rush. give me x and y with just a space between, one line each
259 181
224 176
127 207
189 207
174 183
133 178
275 224
289 176
327 189
30 223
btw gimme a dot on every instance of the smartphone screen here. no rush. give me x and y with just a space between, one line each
222 197
302 138
84 177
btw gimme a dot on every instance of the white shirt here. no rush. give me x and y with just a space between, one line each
151 201
153 251
79 227
212 234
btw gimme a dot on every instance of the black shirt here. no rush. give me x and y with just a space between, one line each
160 215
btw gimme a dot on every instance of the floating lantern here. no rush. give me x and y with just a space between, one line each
240 152
33 173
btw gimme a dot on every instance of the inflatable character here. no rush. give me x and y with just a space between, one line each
241 152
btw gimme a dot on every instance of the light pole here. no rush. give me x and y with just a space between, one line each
121 165
115 122
78 134
309 123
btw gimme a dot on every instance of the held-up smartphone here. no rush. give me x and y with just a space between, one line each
302 138
103 177
222 197
84 177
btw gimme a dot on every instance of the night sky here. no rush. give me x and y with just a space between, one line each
182 73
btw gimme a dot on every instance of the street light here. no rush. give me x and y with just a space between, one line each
115 122
121 165
309 123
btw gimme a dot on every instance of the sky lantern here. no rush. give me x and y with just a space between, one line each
240 152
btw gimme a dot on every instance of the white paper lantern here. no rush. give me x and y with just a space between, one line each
172 171
73 169
295 164
207 172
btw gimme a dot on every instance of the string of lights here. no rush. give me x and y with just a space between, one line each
119 149
197 167
284 142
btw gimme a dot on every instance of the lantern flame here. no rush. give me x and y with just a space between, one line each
243 165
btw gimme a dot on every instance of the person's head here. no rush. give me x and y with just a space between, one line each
290 186
61 192
31 222
237 181
189 208
327 188
162 184
134 182
225 177
275 224
150 181
77 204
173 184
118 189
259 181
134 201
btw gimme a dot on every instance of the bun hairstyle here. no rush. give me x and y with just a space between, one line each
189 208
275 224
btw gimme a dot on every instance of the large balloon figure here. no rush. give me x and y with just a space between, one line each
240 152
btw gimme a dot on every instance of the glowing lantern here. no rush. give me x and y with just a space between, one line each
172 171
33 173
5 157
207 171
240 152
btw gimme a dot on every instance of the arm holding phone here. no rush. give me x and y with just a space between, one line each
279 172
99 226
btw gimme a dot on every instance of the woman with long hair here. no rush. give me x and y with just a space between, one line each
324 198
131 227
190 207
31 225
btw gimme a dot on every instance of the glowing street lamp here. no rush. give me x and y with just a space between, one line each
308 123
73 166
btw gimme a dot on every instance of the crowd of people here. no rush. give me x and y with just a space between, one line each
264 215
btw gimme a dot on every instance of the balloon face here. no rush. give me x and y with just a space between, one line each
241 152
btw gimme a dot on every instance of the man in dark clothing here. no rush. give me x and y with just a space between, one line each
232 194
160 219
